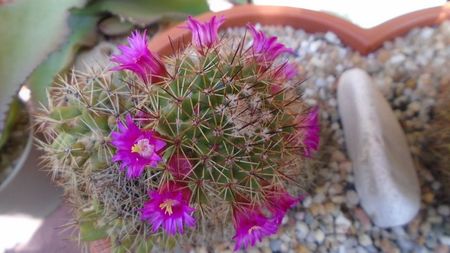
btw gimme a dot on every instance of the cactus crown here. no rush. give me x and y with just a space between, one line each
214 133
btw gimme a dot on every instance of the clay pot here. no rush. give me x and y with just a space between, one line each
359 39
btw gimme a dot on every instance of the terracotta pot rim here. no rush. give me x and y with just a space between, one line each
360 39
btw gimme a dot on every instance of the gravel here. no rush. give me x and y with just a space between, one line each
409 72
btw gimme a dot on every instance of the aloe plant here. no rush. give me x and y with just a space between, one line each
23 46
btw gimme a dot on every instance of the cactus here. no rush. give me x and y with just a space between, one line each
211 139
437 147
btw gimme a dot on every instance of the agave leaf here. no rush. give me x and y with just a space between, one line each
83 34
30 31
144 12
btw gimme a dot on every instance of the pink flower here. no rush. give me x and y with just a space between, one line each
179 166
204 35
169 208
137 58
266 50
308 131
251 226
279 202
136 149
284 73
287 71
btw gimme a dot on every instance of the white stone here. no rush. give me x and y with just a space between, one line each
342 224
351 198
444 210
364 240
319 236
385 177
445 240
302 230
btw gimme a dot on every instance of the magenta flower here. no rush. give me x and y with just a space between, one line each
204 35
287 71
279 202
266 50
308 131
179 166
169 208
136 148
251 226
282 74
137 58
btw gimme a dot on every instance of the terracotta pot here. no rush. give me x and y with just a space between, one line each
360 39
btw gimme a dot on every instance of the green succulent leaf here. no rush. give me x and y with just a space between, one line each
83 34
145 12
30 31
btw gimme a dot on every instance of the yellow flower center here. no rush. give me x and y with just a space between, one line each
253 229
143 148
167 205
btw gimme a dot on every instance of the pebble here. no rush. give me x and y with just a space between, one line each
388 247
335 189
365 240
444 210
351 198
319 198
302 230
342 224
302 249
428 197
338 156
385 176
444 239
275 245
319 236
307 202
363 219
338 199
442 249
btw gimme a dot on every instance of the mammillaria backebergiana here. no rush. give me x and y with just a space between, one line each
213 138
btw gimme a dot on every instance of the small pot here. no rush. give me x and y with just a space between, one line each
359 39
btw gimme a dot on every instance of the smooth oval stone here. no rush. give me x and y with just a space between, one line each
385 177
